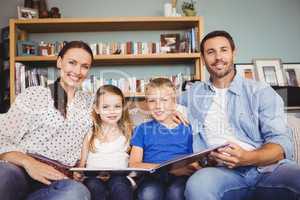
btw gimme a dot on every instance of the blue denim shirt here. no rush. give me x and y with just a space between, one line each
255 112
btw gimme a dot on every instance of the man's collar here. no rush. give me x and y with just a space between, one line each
235 85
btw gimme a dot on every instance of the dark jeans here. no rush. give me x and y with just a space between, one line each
15 184
161 186
115 188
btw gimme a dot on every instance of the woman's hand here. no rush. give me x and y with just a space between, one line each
42 172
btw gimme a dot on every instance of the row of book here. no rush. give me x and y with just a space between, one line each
127 48
34 76
130 85
169 43
29 77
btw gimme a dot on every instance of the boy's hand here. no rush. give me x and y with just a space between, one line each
186 170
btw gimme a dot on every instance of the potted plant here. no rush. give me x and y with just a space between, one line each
188 8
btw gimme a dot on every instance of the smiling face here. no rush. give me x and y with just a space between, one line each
109 108
74 67
161 102
218 57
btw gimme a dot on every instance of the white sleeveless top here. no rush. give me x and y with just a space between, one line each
109 154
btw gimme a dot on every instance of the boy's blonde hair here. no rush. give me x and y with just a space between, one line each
124 123
160 83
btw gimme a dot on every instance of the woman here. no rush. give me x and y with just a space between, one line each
51 122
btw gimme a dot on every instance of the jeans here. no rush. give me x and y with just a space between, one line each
161 187
245 183
115 188
15 184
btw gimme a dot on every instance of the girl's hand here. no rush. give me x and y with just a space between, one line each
104 177
42 172
78 176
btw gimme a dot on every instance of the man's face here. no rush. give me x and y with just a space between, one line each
218 57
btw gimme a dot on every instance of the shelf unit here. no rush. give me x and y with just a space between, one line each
64 25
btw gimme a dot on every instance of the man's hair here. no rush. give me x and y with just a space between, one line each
214 34
159 83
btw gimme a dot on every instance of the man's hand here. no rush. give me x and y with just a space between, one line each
42 172
178 118
232 156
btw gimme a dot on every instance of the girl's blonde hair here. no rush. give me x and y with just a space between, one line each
124 123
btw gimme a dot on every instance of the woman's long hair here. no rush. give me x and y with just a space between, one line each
124 123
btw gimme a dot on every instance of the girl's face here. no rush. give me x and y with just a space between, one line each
74 67
110 108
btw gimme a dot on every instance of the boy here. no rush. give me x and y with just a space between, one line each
159 140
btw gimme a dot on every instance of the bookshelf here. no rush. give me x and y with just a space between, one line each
21 29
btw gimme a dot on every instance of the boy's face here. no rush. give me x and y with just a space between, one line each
161 103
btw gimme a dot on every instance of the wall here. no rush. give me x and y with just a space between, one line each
261 28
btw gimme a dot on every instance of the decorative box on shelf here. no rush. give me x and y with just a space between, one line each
27 48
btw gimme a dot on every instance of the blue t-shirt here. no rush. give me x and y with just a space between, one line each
160 143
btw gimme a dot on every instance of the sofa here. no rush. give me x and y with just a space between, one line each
293 120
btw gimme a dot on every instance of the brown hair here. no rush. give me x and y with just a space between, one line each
159 83
124 123
214 34
76 44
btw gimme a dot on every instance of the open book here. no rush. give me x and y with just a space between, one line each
177 162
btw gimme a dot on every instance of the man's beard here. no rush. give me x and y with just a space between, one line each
220 74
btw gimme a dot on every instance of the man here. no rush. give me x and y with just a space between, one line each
249 116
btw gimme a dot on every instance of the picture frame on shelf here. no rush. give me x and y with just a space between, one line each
246 70
27 13
292 73
270 71
170 42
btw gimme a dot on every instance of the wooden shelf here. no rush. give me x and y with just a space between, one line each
123 59
106 24
21 29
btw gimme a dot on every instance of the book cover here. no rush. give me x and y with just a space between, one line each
177 162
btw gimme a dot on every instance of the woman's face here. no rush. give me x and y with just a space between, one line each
74 67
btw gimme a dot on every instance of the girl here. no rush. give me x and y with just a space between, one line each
107 145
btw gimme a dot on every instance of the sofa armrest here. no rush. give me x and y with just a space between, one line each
294 124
